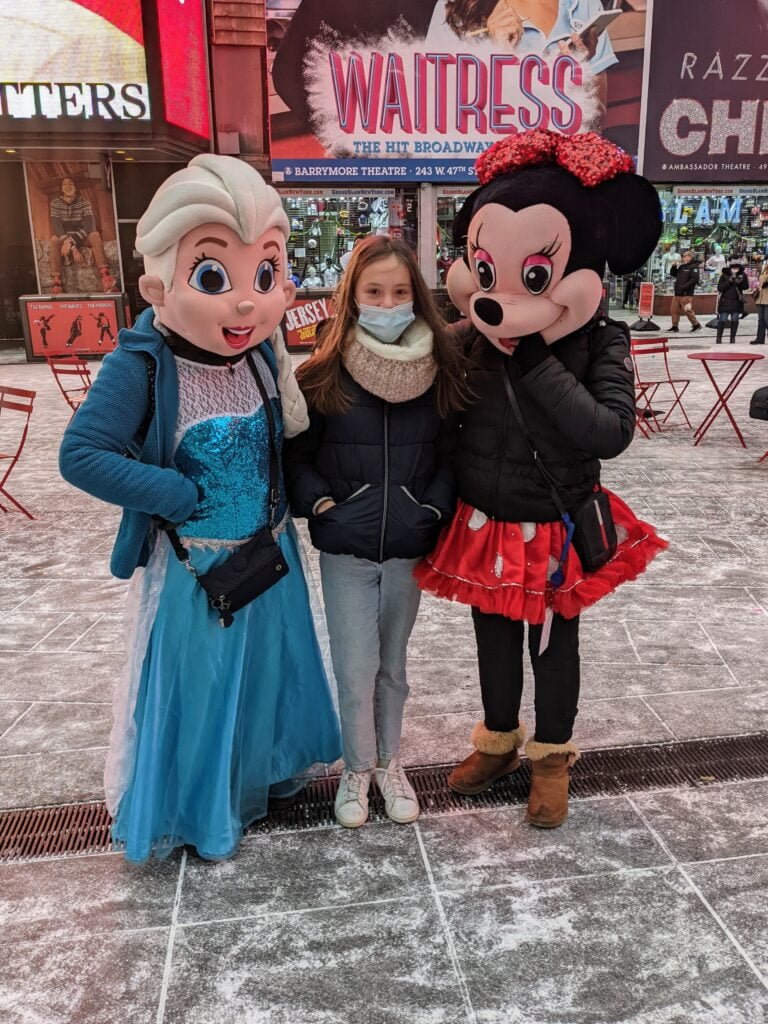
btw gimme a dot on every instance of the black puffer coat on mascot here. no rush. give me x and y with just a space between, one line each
551 375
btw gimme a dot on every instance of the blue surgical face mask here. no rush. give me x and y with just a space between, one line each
386 325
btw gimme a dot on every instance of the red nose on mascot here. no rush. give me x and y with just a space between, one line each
535 538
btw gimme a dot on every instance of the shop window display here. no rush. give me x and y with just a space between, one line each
326 223
449 203
720 224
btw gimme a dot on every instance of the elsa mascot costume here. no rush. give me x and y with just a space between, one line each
211 724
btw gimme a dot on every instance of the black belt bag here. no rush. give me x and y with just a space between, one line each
591 522
259 563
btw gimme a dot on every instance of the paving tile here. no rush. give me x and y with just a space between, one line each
601 639
10 710
738 892
382 964
439 686
52 728
630 948
20 632
474 850
649 602
301 870
440 739
701 824
714 714
81 596
619 679
44 676
670 642
105 894
13 592
616 723
108 635
83 980
36 779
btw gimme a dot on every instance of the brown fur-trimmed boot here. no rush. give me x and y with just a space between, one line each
550 764
494 756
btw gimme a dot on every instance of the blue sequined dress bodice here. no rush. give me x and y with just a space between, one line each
222 445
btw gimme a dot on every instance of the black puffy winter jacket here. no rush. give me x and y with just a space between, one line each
388 467
578 400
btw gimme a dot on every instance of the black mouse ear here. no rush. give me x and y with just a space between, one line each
463 220
638 219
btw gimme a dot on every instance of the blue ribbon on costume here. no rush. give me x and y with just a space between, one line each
558 576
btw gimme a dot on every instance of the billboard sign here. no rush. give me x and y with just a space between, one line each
707 100
73 65
73 226
416 90
302 320
80 326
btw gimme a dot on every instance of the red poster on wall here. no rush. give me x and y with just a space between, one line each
76 325
302 320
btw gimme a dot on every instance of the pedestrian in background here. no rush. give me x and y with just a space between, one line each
686 275
730 305
761 301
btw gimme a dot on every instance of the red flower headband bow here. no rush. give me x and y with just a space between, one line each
587 156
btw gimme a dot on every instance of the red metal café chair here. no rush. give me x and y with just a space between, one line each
14 400
656 375
646 424
74 391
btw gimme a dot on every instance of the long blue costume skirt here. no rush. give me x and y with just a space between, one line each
223 714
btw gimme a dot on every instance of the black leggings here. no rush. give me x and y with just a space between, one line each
556 674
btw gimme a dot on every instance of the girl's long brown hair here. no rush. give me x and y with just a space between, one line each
321 378
466 15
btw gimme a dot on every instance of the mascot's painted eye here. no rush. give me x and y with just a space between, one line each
210 277
265 277
486 269
537 273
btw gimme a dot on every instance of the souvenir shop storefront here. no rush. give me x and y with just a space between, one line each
716 223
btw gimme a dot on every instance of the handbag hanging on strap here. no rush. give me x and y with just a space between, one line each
259 563
589 526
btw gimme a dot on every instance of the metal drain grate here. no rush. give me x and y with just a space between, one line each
39 832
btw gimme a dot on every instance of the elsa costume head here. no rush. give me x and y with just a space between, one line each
216 189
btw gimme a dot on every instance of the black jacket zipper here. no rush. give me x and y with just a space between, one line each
386 482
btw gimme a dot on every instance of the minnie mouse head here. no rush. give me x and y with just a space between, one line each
551 211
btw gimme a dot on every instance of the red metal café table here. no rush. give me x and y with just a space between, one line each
745 361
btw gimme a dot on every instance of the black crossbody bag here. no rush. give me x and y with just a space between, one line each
259 563
590 524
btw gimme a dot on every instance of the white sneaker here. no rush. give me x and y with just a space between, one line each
400 801
351 805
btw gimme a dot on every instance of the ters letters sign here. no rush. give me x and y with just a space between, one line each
707 103
72 65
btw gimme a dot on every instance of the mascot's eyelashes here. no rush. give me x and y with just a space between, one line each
537 273
486 270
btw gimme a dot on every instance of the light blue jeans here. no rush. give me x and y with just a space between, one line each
371 608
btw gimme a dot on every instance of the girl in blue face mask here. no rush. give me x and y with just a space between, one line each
373 475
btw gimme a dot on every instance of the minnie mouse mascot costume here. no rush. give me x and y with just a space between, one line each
535 539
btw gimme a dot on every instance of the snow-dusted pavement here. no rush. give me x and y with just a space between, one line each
649 908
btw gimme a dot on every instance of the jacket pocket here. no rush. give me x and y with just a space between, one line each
352 527
412 528
431 508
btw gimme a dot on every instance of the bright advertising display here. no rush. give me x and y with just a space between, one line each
416 90
707 103
72 65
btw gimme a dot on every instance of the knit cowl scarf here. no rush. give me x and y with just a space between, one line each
395 373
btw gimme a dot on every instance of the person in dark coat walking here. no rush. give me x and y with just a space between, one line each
553 394
374 477
730 304
686 276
